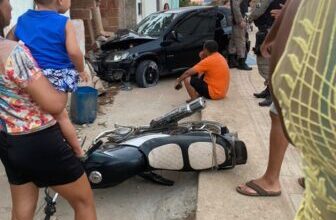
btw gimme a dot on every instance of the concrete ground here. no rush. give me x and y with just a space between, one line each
217 197
135 199
213 192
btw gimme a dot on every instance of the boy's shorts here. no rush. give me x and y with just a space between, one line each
200 86
64 80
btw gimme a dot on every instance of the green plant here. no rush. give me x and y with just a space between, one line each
184 3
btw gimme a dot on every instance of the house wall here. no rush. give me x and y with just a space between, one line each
115 13
118 14
151 6
128 13
19 7
110 14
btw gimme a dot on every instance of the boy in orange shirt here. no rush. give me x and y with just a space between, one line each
209 78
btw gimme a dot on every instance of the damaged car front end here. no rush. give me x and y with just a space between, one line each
134 53
116 60
166 42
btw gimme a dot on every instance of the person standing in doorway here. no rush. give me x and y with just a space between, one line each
166 7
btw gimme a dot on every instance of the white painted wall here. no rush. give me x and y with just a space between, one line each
19 7
148 7
139 16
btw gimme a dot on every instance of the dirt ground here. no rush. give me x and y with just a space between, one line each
135 199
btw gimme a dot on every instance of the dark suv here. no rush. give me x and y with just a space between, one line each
163 43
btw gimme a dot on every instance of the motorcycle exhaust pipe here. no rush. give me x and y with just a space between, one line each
179 113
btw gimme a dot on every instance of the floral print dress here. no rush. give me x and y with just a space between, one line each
304 83
18 113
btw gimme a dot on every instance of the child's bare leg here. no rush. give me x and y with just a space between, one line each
69 132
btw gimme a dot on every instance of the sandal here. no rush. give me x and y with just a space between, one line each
259 191
301 182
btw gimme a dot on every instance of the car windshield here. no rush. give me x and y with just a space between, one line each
154 24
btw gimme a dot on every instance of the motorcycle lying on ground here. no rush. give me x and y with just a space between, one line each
166 144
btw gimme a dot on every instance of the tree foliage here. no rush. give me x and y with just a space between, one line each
184 3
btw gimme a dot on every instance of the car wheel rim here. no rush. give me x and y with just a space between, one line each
151 75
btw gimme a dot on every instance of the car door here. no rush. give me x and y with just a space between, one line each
190 35
223 30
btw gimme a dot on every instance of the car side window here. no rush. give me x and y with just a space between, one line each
206 24
198 24
224 23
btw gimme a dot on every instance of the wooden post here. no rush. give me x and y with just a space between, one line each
86 16
97 19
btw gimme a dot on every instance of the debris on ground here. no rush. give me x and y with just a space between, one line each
103 124
98 84
108 96
100 110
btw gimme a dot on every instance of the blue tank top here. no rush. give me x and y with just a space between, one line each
43 32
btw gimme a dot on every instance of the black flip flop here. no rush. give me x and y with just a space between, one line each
259 191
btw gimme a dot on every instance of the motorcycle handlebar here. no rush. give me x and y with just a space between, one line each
179 113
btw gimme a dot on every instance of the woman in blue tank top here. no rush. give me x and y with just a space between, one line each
52 41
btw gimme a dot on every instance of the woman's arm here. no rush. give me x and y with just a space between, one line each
28 76
11 35
43 93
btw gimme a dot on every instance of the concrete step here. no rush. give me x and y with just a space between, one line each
217 197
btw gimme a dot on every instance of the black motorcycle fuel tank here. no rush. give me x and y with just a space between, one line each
113 165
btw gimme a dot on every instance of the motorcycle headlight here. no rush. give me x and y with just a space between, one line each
117 56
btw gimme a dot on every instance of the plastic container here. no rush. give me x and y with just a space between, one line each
84 104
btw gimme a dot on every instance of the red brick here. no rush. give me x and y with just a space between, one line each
82 3
84 14
109 12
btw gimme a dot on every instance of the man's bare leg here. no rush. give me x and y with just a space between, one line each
191 91
270 181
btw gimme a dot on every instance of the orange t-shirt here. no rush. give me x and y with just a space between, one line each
217 75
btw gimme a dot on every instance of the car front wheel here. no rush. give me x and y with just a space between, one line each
147 74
